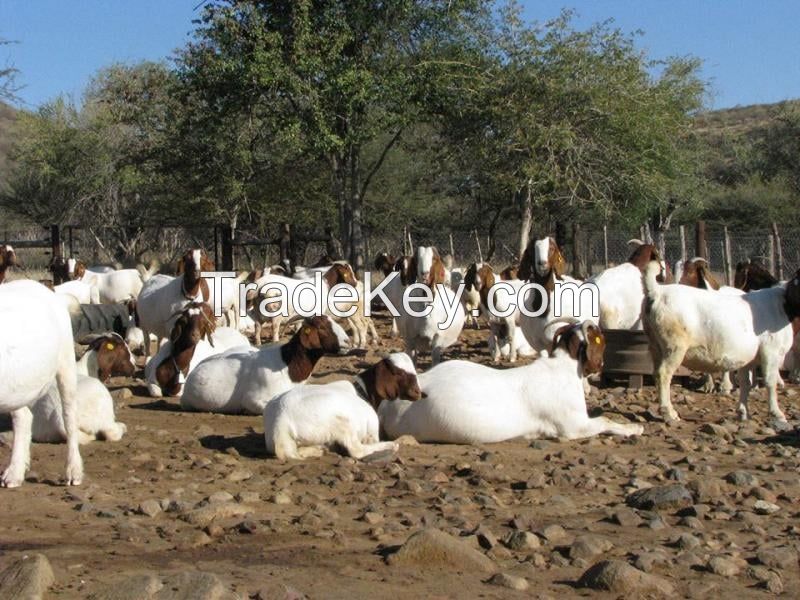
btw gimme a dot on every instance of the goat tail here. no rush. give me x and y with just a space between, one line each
651 285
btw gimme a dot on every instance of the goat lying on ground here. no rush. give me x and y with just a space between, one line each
107 355
300 422
244 380
710 332
194 338
469 403
36 348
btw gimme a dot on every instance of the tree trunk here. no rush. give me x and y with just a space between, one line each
577 255
356 253
527 220
700 240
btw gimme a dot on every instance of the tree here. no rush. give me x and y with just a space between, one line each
339 75
8 87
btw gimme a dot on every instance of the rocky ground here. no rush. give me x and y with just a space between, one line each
189 506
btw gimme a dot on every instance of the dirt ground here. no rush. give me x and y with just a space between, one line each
323 527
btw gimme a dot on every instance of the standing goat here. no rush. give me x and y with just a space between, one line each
710 332
36 348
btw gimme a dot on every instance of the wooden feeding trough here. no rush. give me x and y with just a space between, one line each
627 355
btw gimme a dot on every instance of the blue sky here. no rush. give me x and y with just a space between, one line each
750 48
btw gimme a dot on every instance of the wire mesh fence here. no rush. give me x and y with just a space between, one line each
598 248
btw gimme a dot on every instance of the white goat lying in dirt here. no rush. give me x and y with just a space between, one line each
107 355
300 422
468 403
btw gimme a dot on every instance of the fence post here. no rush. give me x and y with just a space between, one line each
605 245
226 235
478 241
700 249
771 252
452 252
726 252
682 230
55 241
778 251
405 240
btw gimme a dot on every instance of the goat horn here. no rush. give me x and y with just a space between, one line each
293 319
572 320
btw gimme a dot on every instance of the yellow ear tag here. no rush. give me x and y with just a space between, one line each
307 330
109 346
597 339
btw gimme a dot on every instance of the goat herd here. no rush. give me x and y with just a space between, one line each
212 367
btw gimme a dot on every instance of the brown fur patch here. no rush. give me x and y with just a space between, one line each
386 381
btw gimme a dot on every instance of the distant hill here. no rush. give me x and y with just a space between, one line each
741 121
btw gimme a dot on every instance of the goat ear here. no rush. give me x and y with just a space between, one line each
557 337
179 267
526 263
176 332
309 336
205 263
559 262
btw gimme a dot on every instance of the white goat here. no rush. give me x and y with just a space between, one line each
469 403
543 263
298 423
117 286
83 292
35 349
245 379
194 338
107 355
710 332
422 333
163 298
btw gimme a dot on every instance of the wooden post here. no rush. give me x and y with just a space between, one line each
577 258
69 237
726 252
410 243
771 253
605 245
725 264
452 252
778 252
55 241
405 240
641 234
478 241
226 235
700 248
683 243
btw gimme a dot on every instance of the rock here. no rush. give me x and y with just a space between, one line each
244 497
586 547
716 430
27 578
706 490
647 561
220 497
687 541
201 517
121 394
723 566
193 585
741 479
407 440
238 475
486 538
281 498
522 540
149 508
373 518
783 557
435 548
279 592
762 507
620 577
554 534
509 581
140 586
627 518
661 497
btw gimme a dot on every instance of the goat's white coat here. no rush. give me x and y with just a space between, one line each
116 286
242 379
225 338
85 293
159 305
469 403
710 332
298 422
36 348
620 297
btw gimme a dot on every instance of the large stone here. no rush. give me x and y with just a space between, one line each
187 585
661 497
586 547
26 578
202 517
778 558
620 577
434 548
137 587
509 581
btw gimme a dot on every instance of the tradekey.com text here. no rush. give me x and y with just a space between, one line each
313 297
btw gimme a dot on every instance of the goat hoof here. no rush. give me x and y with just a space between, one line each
781 424
11 478
670 414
